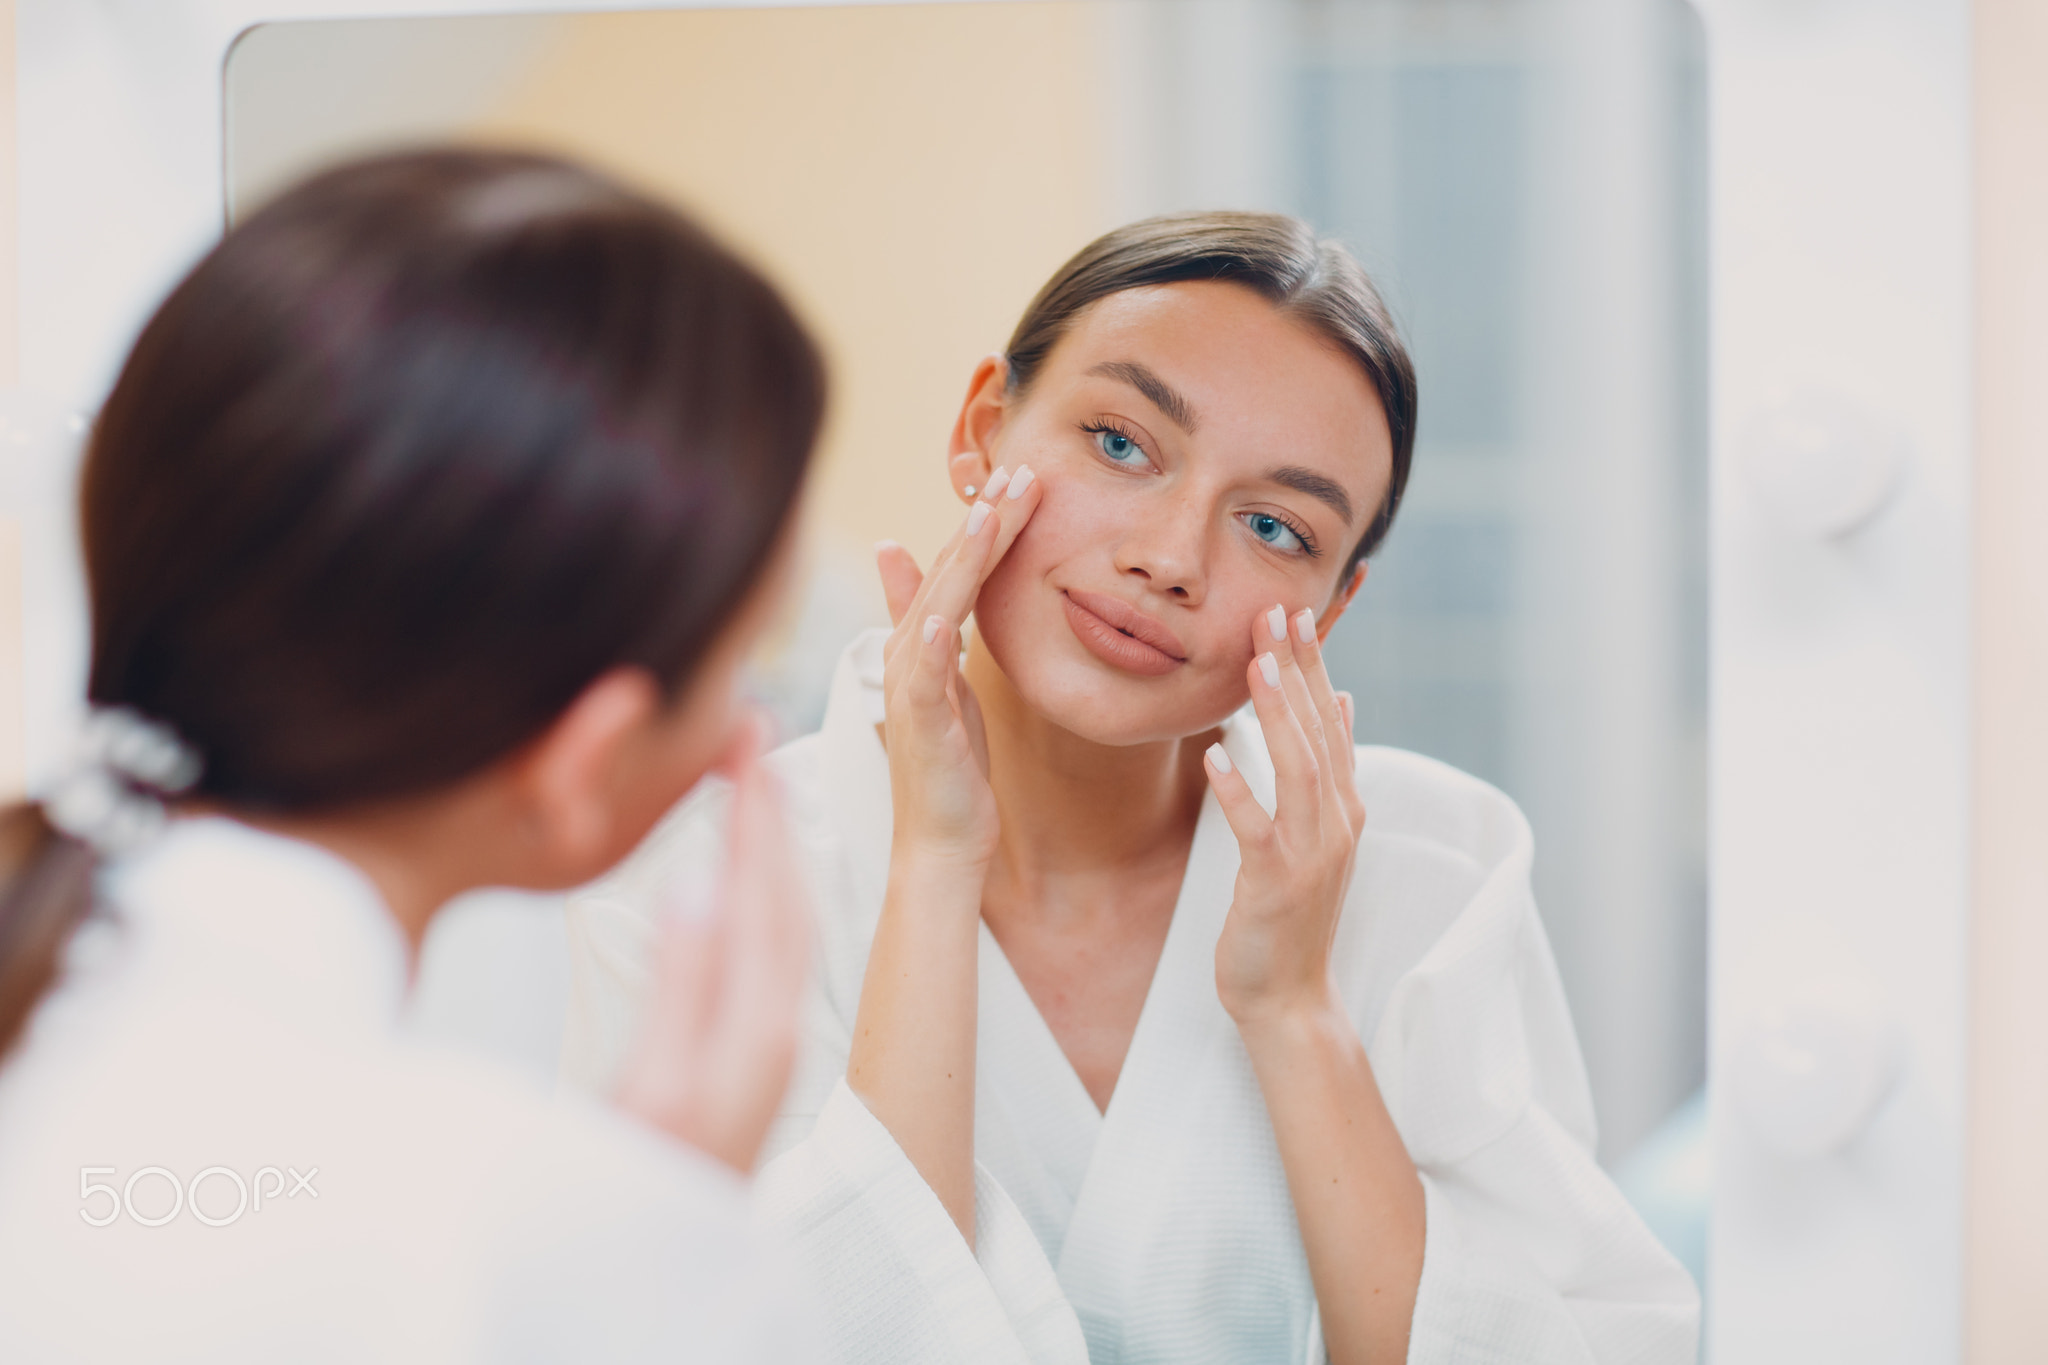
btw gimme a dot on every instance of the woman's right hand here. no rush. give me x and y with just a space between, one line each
912 1061
938 756
719 1040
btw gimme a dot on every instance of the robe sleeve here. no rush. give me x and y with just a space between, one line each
896 1283
1531 1253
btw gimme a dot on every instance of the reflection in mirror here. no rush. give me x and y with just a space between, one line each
1523 182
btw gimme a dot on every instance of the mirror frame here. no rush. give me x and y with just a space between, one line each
1839 674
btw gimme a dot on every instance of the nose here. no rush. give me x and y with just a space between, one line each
1164 546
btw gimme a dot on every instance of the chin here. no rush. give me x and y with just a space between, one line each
1059 680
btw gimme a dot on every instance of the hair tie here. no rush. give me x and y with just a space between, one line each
125 764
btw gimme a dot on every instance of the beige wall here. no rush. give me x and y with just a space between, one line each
2007 1316
911 175
11 701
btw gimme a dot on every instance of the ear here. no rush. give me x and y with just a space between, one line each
1340 601
969 454
569 779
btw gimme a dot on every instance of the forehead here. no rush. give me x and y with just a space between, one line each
1263 385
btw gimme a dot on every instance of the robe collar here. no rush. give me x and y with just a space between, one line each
1182 1030
239 914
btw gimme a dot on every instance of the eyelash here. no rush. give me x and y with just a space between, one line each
1308 542
1104 426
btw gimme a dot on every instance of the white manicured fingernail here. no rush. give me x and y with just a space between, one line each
996 482
1276 623
933 624
1218 760
1020 482
977 516
1305 627
1269 669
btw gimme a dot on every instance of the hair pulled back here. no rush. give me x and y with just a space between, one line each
1313 279
411 457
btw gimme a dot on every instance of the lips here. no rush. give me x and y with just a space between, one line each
1123 636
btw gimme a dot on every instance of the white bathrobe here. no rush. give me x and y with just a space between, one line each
1162 1230
345 1194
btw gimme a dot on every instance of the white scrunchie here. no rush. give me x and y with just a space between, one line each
112 798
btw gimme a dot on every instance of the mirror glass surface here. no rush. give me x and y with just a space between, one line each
1525 181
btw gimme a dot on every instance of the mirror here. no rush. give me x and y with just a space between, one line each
1527 188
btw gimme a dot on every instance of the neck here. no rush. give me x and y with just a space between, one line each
1072 808
407 850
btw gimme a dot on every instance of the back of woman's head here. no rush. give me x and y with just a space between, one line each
415 454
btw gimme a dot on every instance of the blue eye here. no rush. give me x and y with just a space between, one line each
1274 531
1118 448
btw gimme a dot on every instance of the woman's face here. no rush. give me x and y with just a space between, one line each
1204 457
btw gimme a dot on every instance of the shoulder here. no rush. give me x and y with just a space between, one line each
1442 877
590 1234
515 1156
1422 801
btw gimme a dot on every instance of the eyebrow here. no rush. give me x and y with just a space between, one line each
1315 485
1177 408
1162 395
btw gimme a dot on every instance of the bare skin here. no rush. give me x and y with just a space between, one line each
1203 463
1079 894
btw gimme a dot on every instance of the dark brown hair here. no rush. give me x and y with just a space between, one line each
410 458
1281 258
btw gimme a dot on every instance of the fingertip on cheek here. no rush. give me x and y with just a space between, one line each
1269 669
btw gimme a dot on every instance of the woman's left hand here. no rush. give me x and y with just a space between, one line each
1357 1197
1273 956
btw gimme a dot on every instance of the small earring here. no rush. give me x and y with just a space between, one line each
969 490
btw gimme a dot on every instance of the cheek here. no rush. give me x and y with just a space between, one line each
1065 526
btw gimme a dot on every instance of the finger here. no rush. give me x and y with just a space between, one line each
1298 791
901 577
1321 729
1353 802
970 716
926 688
1275 636
1009 501
1241 810
973 540
991 526
1315 675
768 949
765 959
667 1057
752 734
1015 500
978 513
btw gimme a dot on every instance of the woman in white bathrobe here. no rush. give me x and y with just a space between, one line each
426 527
1151 1026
